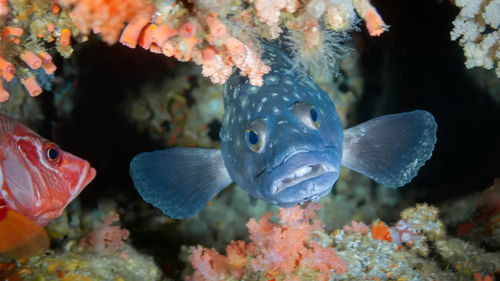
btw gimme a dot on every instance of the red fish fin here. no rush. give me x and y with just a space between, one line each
20 237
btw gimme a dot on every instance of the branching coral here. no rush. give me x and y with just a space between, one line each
287 248
106 239
477 31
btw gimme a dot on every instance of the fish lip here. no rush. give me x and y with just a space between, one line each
299 167
306 172
88 174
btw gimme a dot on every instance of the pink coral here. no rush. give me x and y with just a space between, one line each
210 265
356 227
275 248
269 12
106 239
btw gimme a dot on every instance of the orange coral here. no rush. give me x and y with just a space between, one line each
32 86
380 231
276 248
479 277
106 17
373 21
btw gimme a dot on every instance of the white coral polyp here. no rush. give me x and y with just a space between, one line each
481 48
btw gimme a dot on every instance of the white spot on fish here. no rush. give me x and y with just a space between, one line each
295 94
282 122
259 108
271 80
264 99
244 102
248 116
288 82
253 90
274 94
276 110
285 98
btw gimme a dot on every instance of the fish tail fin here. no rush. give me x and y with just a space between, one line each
390 149
179 181
19 236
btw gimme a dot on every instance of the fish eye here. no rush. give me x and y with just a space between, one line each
307 114
314 114
255 135
52 153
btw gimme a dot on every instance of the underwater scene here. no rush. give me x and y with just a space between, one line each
257 140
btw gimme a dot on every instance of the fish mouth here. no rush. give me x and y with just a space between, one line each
88 174
91 173
303 176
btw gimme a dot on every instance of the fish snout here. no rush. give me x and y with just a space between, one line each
77 174
303 176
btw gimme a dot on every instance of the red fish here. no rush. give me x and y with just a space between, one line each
38 180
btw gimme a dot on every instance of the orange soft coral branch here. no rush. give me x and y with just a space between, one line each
32 86
373 21
65 38
131 33
163 33
12 31
8 69
4 95
215 26
32 60
107 17
4 8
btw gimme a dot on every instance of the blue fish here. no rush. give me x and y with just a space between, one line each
283 143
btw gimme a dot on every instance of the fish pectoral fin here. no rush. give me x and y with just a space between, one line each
390 149
20 237
179 181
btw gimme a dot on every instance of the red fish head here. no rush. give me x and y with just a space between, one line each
41 179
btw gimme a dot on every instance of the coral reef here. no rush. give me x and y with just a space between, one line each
73 263
102 254
184 109
27 26
477 30
283 250
218 35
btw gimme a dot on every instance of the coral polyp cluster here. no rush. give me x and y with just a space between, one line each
297 247
218 35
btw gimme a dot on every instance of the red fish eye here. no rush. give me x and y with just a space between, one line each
52 153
